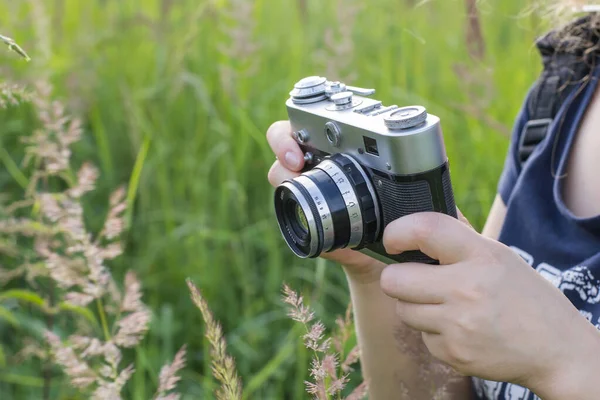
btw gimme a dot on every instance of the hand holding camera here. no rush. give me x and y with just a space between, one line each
365 165
289 163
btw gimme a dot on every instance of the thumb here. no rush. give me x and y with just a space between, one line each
440 236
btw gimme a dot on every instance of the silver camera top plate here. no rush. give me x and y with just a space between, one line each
335 118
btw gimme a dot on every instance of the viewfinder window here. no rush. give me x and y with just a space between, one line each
371 146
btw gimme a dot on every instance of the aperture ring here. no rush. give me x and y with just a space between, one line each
366 194
349 196
323 211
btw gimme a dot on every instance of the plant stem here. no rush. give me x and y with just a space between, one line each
474 38
103 319
46 371
22 380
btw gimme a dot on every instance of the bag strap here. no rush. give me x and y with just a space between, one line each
543 106
564 68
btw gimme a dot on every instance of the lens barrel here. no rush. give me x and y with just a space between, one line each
330 207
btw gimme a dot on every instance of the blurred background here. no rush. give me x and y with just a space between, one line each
175 98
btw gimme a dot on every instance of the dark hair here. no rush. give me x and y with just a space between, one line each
579 36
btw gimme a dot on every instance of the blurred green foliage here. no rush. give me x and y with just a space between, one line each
176 97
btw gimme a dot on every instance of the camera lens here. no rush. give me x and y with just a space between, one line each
301 218
296 219
332 206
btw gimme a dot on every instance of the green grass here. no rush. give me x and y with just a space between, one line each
148 85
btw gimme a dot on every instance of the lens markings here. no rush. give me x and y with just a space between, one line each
323 208
345 188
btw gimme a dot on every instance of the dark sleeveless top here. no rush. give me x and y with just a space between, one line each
563 248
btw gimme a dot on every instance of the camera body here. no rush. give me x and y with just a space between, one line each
366 165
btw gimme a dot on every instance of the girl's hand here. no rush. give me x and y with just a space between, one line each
484 311
289 161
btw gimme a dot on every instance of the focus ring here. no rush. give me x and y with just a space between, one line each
352 203
366 199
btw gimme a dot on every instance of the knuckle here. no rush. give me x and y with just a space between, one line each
424 224
465 324
457 355
392 237
389 283
498 252
388 238
471 293
490 251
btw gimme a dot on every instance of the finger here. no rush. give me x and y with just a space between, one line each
440 348
278 174
436 345
416 283
422 317
438 235
279 136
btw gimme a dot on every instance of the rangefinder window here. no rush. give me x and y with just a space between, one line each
371 146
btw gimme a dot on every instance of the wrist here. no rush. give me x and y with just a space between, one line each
573 375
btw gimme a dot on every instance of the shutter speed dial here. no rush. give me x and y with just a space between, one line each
406 118
309 90
308 87
313 89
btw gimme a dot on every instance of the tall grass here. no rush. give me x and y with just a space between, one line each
181 93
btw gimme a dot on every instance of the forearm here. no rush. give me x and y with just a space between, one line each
393 356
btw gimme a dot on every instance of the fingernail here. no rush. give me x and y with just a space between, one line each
292 159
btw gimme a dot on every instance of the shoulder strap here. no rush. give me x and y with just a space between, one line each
567 62
543 105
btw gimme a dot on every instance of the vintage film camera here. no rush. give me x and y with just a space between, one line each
366 166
